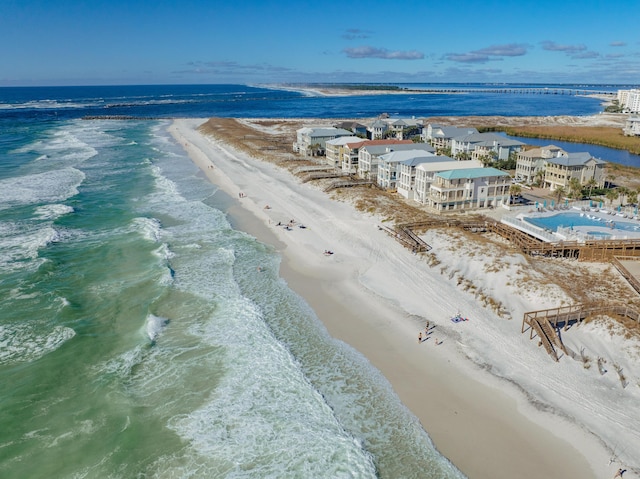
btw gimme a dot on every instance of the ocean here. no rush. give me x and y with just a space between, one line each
137 340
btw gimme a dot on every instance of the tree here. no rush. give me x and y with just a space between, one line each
559 193
486 160
515 190
591 184
612 195
622 193
575 188
539 178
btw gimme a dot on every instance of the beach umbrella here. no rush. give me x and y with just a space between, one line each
600 205
544 205
619 208
566 202
536 205
590 204
553 203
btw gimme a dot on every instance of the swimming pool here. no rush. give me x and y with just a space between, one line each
570 219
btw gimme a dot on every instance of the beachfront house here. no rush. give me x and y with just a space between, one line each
531 163
426 172
632 126
399 128
335 147
469 188
440 136
559 171
311 141
351 151
484 145
357 129
369 155
389 166
405 128
378 129
407 170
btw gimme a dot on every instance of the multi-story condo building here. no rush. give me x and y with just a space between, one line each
426 172
335 147
477 145
440 136
561 169
632 126
350 152
369 156
629 100
530 163
469 188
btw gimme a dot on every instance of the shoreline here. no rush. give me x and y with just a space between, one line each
468 409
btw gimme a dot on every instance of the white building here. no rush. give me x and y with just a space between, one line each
629 100
477 145
440 136
632 126
335 147
350 162
388 167
426 172
369 156
531 162
469 188
308 138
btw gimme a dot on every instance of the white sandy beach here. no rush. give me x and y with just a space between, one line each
493 402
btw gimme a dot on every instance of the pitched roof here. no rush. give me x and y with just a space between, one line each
573 159
343 140
451 131
382 149
487 139
471 173
447 164
404 155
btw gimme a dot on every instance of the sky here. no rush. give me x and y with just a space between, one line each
105 42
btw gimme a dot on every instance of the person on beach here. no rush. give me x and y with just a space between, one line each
420 337
426 328
620 473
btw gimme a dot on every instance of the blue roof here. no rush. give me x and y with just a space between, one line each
468 173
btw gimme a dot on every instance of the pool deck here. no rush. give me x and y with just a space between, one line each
607 229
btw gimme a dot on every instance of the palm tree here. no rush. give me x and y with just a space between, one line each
612 195
559 193
622 193
591 184
515 190
575 188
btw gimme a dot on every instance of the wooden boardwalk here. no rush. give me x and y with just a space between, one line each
547 323
348 184
594 250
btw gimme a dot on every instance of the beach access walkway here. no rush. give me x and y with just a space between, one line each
547 324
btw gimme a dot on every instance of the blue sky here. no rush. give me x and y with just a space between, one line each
101 42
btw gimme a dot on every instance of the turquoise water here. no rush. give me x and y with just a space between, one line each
137 339
570 219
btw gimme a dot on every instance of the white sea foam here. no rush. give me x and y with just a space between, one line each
26 341
47 187
21 241
154 326
52 212
149 227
